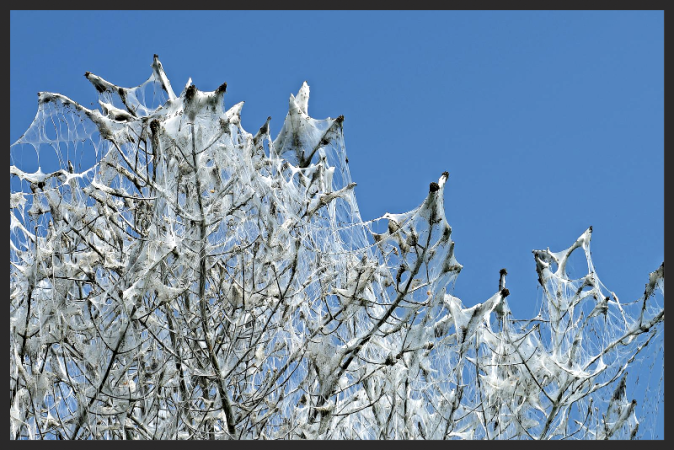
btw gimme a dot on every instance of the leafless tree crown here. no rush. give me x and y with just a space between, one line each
176 277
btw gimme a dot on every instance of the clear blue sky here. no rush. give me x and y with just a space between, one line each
547 121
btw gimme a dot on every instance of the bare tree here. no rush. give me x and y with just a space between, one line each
195 281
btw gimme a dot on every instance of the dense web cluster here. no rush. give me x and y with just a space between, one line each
173 276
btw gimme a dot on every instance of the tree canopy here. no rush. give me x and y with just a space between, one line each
187 279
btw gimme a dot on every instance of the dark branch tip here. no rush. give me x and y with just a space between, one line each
222 88
190 92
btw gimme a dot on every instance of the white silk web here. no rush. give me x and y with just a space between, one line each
173 276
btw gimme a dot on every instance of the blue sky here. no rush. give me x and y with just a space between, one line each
547 121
